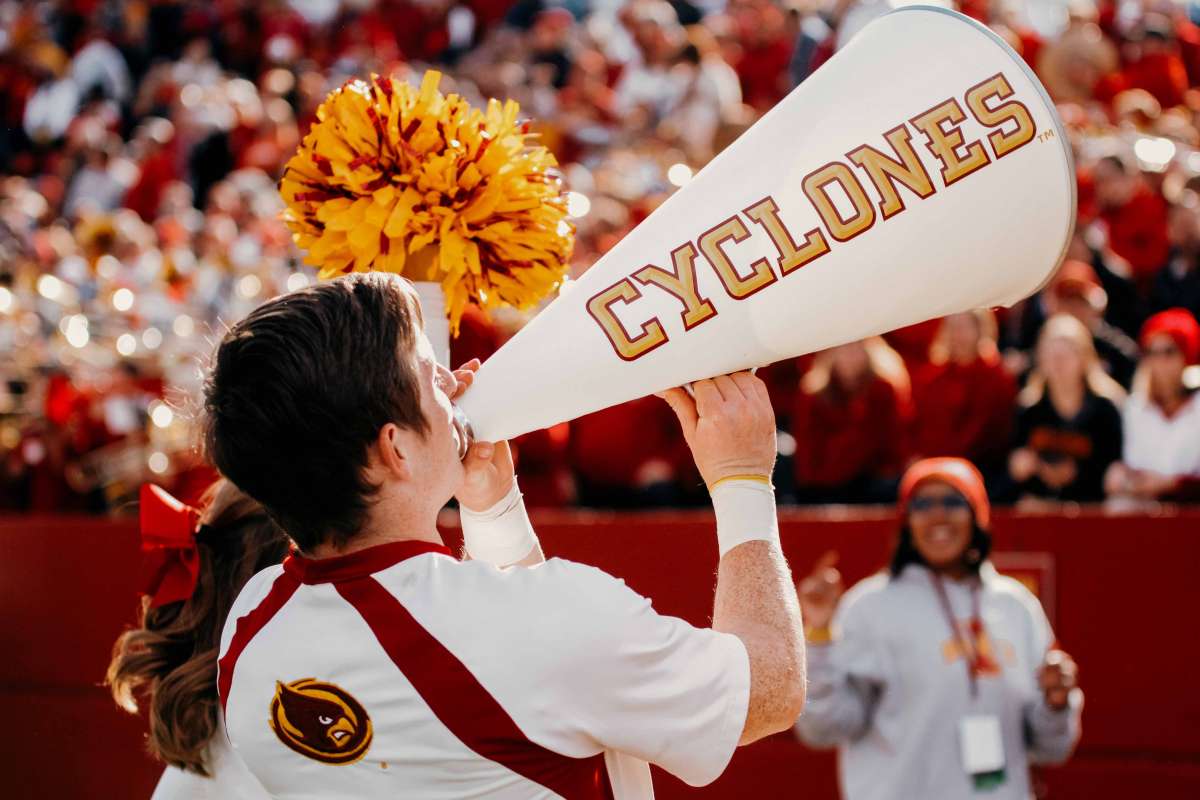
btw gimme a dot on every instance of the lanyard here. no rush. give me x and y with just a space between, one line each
974 658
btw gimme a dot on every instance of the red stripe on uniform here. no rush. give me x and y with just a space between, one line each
358 564
463 705
248 627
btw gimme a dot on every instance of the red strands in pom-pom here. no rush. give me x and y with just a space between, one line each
374 117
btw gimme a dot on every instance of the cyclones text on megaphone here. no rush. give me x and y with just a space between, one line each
992 103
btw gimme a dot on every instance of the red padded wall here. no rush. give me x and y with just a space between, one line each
1123 592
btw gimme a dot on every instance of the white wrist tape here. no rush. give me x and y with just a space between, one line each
745 512
500 535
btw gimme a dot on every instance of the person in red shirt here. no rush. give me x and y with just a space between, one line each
158 170
477 337
964 397
783 383
1136 217
1187 34
543 461
765 54
1158 68
913 342
1080 64
630 456
850 425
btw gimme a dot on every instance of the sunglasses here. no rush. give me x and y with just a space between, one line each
952 502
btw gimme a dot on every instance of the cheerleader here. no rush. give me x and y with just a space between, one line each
195 563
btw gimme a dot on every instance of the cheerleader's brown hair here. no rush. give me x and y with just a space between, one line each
168 664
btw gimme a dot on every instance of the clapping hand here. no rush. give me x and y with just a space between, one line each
1057 676
820 591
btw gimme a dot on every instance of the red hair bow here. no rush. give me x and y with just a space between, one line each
170 562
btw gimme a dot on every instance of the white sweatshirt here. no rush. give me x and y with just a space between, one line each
891 689
1170 446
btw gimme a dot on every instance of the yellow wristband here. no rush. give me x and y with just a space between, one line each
822 635
756 478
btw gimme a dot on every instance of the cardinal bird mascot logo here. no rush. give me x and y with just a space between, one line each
320 721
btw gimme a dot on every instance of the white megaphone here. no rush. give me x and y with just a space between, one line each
862 13
921 172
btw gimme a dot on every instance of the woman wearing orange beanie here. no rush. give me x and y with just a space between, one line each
937 677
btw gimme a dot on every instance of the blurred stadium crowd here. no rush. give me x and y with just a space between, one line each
142 141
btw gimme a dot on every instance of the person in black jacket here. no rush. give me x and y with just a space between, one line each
1069 424
1177 284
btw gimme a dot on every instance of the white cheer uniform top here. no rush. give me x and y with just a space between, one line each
400 671
228 777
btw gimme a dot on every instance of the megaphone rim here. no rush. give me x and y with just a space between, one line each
1060 131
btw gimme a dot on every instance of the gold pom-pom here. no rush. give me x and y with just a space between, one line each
398 179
